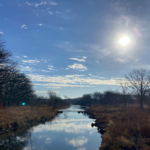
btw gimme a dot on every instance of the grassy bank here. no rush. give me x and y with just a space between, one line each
123 128
14 117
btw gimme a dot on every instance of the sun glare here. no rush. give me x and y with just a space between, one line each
124 41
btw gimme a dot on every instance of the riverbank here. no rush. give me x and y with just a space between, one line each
122 128
12 118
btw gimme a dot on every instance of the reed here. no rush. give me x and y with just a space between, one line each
21 114
126 128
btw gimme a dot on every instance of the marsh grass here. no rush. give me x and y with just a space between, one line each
21 114
127 128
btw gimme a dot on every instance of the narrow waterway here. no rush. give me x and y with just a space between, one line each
68 131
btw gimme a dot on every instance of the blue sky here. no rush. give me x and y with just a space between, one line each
73 46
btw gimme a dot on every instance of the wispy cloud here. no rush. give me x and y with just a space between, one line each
0 4
79 51
57 86
43 92
71 81
44 70
73 76
30 61
58 13
40 24
77 59
50 13
68 10
24 26
120 60
50 67
26 68
78 67
65 45
28 3
42 3
96 76
1 32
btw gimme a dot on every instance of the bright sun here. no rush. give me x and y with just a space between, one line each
124 41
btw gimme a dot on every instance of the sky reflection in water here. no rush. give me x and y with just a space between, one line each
69 131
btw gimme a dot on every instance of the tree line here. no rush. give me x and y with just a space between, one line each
16 87
135 88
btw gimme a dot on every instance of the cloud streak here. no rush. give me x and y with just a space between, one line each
70 81
24 26
78 67
30 61
77 59
41 3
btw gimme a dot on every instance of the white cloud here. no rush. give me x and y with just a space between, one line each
40 24
70 81
50 67
73 76
25 56
42 3
30 61
96 76
78 67
28 3
24 26
80 141
55 86
83 59
26 68
1 32
44 70
97 61
50 13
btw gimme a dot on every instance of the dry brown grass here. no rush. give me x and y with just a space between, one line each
21 114
127 128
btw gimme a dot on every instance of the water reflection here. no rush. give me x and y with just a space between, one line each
15 140
69 131
75 126
80 141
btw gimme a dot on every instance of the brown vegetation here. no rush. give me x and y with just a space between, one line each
126 128
23 114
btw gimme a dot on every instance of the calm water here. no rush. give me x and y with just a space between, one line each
68 131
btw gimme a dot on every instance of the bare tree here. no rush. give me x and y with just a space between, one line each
139 82
66 97
124 87
15 87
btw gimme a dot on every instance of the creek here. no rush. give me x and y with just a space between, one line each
69 130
